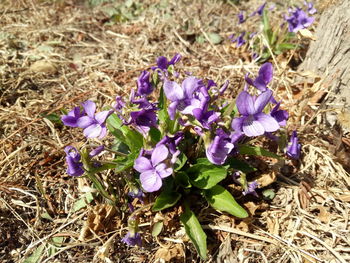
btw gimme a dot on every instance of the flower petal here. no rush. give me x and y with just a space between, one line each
102 116
90 108
85 121
245 103
262 100
150 181
190 85
173 91
163 171
159 154
237 124
142 164
172 110
252 127
268 122
70 121
93 131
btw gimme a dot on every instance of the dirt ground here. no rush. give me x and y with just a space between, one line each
57 54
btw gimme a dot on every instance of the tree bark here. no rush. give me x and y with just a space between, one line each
329 55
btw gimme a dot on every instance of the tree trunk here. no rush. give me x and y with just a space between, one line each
329 56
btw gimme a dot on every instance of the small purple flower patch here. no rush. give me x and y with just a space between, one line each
294 147
73 159
132 240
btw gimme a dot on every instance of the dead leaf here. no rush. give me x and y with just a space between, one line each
306 33
42 66
323 215
100 218
167 254
252 207
273 225
266 179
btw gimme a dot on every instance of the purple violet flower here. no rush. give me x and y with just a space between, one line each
132 240
254 122
281 116
93 125
73 159
120 104
264 77
293 148
219 148
241 17
251 188
136 193
298 19
240 40
144 86
144 120
181 97
259 11
154 170
310 8
71 119
96 151
163 63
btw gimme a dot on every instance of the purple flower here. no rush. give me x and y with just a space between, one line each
144 120
219 148
136 193
281 116
251 188
163 63
182 97
132 239
172 142
93 125
293 149
254 122
96 151
298 20
154 170
73 159
120 104
241 17
72 117
144 86
310 8
260 10
263 79
240 40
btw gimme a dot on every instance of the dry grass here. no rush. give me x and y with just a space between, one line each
80 58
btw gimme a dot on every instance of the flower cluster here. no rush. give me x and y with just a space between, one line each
278 36
187 139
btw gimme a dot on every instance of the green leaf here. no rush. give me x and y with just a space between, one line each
180 162
182 179
269 194
155 135
240 165
165 200
157 228
230 109
56 242
130 137
195 232
205 176
221 199
52 117
214 38
83 202
36 255
124 163
285 46
255 150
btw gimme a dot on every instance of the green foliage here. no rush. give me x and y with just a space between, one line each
195 232
206 175
165 200
255 150
221 199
